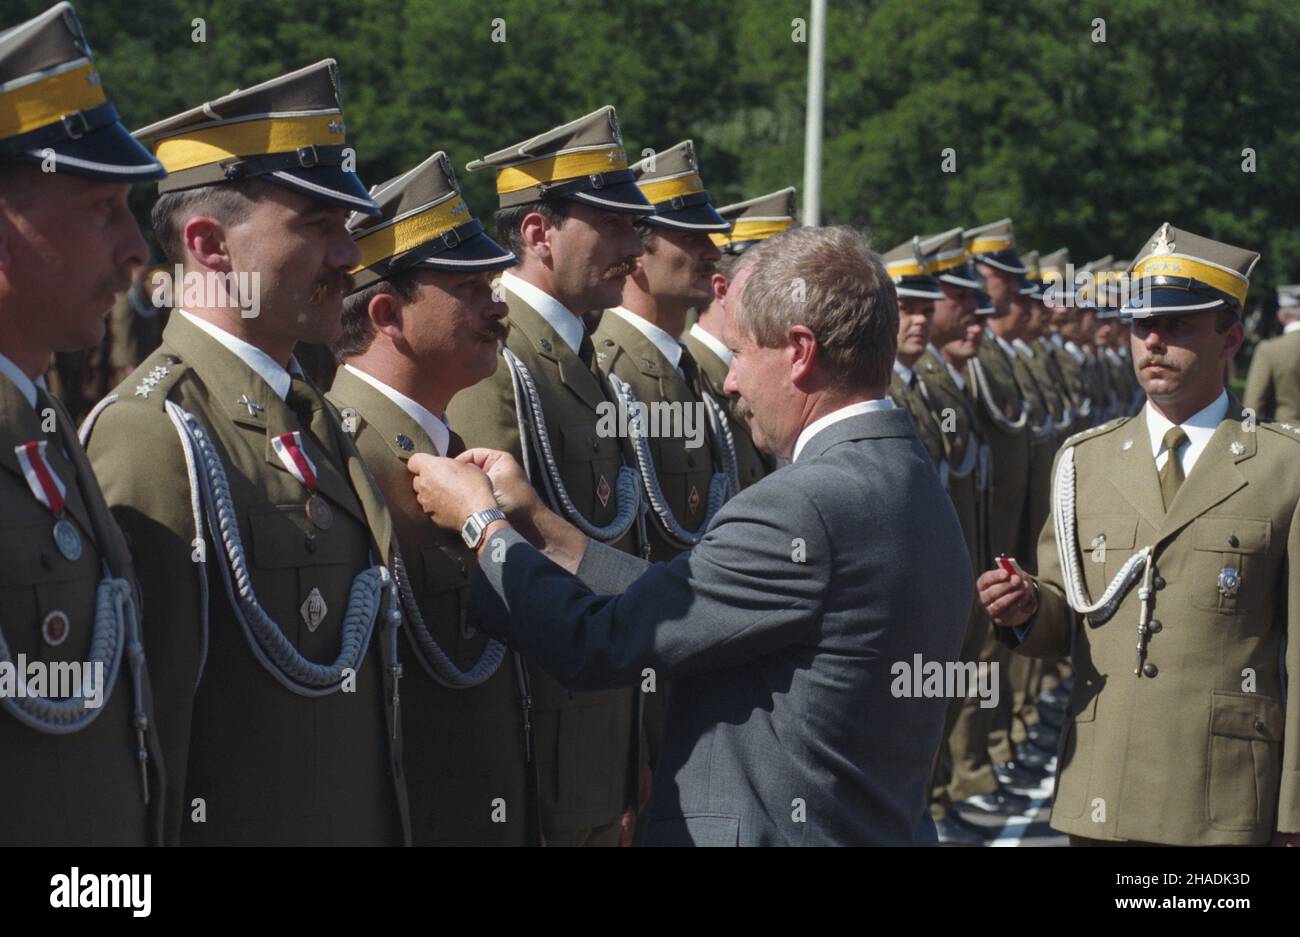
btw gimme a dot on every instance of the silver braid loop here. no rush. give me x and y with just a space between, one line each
114 610
982 382
627 488
968 461
1076 591
273 650
718 485
432 657
722 432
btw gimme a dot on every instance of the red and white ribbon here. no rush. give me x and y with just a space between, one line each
45 485
288 446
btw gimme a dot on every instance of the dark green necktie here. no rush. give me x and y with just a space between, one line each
1171 476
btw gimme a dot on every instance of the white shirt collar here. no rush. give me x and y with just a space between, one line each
566 323
1006 346
843 413
1199 427
263 365
903 371
668 346
436 429
1058 340
711 342
26 386
1021 345
1291 327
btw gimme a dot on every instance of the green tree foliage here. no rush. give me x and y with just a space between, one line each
1086 144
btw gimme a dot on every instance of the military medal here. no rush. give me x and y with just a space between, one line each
288 447
54 629
50 491
1229 582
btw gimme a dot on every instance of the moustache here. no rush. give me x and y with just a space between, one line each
621 269
333 282
1149 360
494 330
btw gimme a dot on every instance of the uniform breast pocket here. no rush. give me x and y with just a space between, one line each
589 463
1229 555
36 581
1106 541
290 557
684 476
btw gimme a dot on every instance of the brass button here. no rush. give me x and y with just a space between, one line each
1259 726
690 461
1158 582
595 445
1233 541
310 544
1149 670
47 564
1155 627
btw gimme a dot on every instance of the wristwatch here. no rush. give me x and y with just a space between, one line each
472 530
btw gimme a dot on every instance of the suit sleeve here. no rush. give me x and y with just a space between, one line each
138 459
1048 633
607 571
1288 811
1260 391
754 584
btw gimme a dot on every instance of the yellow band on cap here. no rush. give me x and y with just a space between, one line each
743 231
669 189
42 103
907 268
559 168
937 266
410 233
1173 265
202 147
989 245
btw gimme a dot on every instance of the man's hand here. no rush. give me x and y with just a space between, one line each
449 491
1008 600
509 483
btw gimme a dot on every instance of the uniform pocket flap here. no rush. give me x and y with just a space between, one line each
583 444
1245 716
1230 534
443 570
284 538
1117 531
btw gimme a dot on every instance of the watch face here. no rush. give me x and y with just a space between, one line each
471 532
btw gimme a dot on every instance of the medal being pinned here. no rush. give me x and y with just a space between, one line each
288 447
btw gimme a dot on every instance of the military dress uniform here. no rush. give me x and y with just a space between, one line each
544 405
263 543
465 747
1169 569
81 768
1273 382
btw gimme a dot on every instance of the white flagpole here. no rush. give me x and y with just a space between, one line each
812 149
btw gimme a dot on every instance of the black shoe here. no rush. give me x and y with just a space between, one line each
1044 737
953 833
1001 802
1017 779
1033 757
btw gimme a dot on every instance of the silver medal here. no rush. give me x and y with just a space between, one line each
67 540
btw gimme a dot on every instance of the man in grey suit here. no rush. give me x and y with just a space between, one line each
792 631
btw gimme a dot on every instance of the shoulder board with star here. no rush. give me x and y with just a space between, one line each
152 381
1290 430
1096 431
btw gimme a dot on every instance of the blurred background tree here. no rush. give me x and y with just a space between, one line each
1086 143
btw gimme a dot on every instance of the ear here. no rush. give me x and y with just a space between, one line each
719 284
534 231
1233 339
804 354
205 241
385 312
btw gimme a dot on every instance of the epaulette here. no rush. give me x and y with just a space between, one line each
1282 429
153 380
1096 431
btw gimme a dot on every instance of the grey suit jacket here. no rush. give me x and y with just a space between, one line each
779 632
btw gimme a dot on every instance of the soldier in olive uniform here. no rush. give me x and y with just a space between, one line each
752 220
568 200
1064 326
1273 383
1091 294
421 325
1168 568
263 543
81 761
